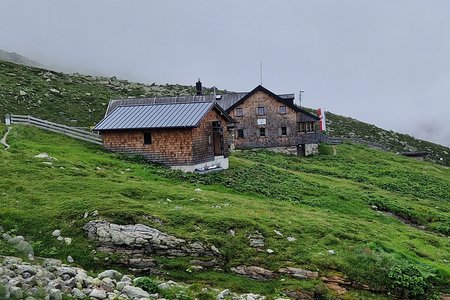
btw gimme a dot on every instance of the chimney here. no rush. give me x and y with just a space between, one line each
198 87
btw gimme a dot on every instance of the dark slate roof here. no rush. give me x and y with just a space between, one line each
225 100
175 115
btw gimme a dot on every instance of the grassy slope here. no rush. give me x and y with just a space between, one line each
82 101
347 127
325 202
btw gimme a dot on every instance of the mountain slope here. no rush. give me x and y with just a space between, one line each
79 100
369 215
18 59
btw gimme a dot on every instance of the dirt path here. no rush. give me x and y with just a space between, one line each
3 140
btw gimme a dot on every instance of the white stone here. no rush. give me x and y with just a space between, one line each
70 259
198 190
332 252
223 294
278 233
270 251
68 241
22 93
98 294
291 239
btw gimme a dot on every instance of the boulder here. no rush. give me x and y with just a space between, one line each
112 274
298 273
254 272
135 292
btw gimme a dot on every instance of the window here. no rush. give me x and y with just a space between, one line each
283 130
239 112
262 132
261 111
240 133
282 110
310 127
301 127
147 138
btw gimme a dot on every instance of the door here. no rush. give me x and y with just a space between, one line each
218 139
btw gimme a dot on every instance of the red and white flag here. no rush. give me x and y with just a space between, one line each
321 115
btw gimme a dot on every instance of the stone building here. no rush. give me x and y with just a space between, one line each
185 136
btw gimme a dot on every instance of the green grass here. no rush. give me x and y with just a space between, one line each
323 201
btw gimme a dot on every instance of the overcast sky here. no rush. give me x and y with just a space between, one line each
384 62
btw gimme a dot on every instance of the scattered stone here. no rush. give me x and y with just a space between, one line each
270 251
44 156
374 207
94 213
86 214
198 190
78 294
54 91
253 272
232 232
256 240
332 252
70 259
56 233
223 294
278 233
60 238
55 294
67 241
291 239
22 93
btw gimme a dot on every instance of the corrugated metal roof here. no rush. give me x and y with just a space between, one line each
225 100
137 116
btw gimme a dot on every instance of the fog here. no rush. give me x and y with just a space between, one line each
383 62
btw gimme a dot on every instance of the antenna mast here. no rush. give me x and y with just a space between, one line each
261 71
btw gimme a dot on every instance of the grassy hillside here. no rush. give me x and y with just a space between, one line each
347 127
325 202
78 100
75 100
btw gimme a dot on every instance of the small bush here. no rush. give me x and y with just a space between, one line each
325 149
147 284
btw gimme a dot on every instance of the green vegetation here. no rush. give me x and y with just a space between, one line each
341 126
325 202
75 100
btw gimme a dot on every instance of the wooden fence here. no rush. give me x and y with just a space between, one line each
76 133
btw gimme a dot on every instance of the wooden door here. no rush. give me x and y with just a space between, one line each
217 139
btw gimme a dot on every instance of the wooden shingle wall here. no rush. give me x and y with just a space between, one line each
273 119
169 146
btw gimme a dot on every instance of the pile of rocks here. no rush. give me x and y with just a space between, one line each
53 279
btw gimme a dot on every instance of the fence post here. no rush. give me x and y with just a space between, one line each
8 119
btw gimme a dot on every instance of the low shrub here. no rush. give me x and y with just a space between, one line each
147 284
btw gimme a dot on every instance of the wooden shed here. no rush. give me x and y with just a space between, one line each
185 136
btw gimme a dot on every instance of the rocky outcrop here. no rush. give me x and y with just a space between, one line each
259 273
137 243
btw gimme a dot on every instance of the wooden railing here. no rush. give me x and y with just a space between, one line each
76 133
313 138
